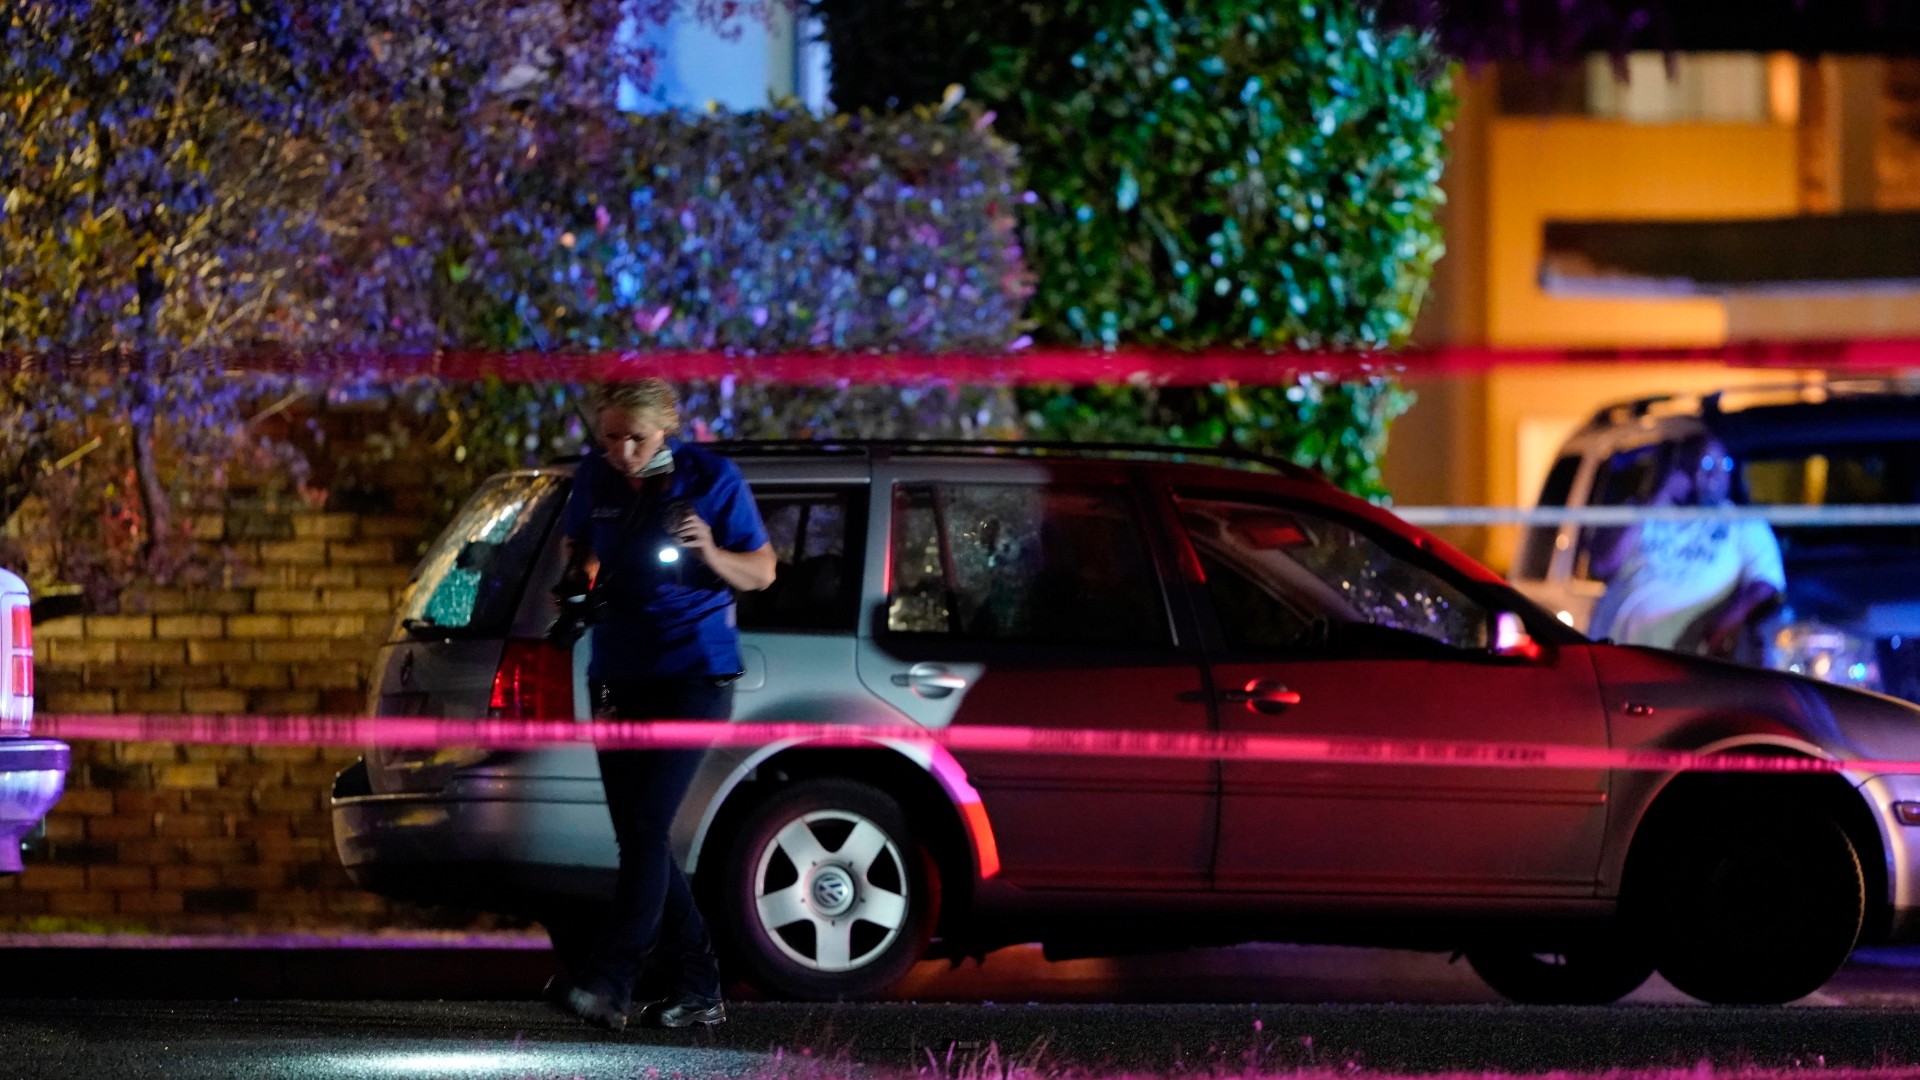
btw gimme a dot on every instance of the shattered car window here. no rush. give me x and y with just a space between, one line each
1028 563
1302 561
471 576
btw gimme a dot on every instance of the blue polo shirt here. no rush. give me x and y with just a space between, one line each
665 619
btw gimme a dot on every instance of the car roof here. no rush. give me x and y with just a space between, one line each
983 449
1761 418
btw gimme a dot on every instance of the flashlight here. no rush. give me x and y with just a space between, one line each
674 512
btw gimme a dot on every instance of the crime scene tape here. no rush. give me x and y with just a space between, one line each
1796 516
1089 366
1013 367
431 732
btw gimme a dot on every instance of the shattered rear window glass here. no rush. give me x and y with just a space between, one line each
471 576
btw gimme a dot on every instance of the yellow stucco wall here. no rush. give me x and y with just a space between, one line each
1591 169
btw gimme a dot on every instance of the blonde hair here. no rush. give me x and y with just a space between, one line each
652 398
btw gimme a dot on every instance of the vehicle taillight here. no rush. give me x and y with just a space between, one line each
16 709
533 682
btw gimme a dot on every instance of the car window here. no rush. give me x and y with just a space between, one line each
472 575
1281 577
1626 477
816 585
1007 562
1536 553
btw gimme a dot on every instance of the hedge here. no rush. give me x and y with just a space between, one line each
755 232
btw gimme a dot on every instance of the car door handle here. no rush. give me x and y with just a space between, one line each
1264 696
930 680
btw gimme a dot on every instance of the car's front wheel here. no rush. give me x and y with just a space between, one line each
1740 905
828 892
1587 974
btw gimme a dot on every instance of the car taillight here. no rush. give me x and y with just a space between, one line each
16 710
533 682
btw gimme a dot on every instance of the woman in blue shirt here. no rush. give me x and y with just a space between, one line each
666 532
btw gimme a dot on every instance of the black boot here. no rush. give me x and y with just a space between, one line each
685 1010
596 1009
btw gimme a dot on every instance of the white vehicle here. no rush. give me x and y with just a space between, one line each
33 772
1852 613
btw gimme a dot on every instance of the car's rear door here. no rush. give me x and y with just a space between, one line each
1331 627
1025 593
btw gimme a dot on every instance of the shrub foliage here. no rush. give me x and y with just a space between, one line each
1219 174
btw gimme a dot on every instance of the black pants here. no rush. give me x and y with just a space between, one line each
653 911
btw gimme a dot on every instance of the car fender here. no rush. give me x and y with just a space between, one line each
1635 793
936 761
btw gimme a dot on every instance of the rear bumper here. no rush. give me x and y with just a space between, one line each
492 854
33 773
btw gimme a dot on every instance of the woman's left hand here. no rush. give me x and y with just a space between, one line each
694 534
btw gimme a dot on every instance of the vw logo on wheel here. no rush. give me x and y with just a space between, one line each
861 881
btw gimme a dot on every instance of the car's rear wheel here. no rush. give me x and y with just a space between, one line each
828 893
1586 974
1745 906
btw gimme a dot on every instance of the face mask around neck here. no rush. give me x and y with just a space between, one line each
661 464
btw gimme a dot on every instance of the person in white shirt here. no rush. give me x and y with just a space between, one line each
1694 585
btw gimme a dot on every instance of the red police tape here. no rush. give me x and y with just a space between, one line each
1016 366
428 732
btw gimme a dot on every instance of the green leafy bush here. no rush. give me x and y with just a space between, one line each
1227 174
1236 172
751 232
771 231
1339 428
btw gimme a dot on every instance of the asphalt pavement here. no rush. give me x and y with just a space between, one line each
1243 1011
312 1040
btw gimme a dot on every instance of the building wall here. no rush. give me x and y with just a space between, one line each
1571 168
168 838
1489 438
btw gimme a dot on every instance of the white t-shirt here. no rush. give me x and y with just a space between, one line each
1679 570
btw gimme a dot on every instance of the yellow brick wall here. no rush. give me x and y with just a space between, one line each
168 838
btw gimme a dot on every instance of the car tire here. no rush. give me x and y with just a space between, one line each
1743 908
828 893
1588 974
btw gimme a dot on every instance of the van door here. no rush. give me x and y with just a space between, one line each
1026 594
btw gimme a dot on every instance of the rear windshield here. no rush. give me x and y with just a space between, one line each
473 574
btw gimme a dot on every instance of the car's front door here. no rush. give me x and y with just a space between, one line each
1025 594
1332 627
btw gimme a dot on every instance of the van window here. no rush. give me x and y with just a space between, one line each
1626 477
1536 556
1840 474
1008 562
473 574
817 584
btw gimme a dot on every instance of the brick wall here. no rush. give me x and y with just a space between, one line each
203 839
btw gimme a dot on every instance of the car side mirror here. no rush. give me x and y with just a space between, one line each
1507 636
